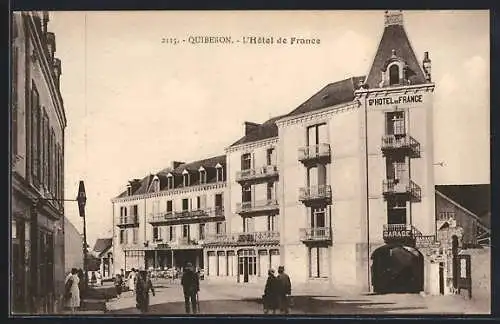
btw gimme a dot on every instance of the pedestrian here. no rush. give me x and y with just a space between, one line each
72 292
81 283
270 297
191 286
93 278
284 290
118 284
131 280
143 286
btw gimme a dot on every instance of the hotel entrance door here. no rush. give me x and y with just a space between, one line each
247 264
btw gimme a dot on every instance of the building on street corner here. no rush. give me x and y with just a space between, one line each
340 191
38 122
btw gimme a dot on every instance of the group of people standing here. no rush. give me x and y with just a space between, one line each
277 292
139 282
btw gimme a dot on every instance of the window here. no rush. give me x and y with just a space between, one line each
318 262
219 203
318 217
220 176
395 123
171 233
135 235
271 223
185 178
15 62
394 75
123 214
34 133
220 228
397 169
169 206
39 143
246 161
270 157
156 233
198 203
444 216
185 204
123 237
316 135
185 231
316 176
270 191
202 231
203 176
156 185
248 224
396 211
170 182
246 194
134 213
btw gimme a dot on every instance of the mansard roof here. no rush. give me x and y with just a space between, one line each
394 38
331 95
209 164
266 130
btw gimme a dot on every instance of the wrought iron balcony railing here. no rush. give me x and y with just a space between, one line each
315 152
264 172
316 234
128 221
408 188
312 193
400 143
247 238
171 216
256 206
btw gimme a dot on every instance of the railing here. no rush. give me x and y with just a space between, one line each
243 238
186 214
396 186
314 152
316 234
129 220
315 192
393 142
256 205
251 174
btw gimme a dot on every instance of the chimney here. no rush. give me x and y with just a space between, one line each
45 21
176 164
393 17
426 65
250 127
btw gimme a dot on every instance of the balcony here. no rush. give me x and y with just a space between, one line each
187 216
319 153
316 234
130 221
403 145
250 238
316 194
400 233
405 189
257 206
255 175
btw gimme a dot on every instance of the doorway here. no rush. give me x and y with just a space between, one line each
441 278
247 264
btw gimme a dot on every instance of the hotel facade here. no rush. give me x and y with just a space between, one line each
330 190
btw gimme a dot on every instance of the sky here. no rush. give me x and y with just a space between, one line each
134 103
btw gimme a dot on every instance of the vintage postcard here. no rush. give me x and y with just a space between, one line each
250 162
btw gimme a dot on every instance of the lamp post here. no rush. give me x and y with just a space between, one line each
82 200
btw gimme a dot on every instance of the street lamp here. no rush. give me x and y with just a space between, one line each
82 200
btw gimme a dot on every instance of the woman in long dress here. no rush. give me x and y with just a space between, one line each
131 280
73 291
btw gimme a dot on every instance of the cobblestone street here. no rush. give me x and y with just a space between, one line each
226 298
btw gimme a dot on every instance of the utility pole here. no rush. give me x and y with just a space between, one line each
82 200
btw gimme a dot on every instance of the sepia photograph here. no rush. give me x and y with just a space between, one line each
264 163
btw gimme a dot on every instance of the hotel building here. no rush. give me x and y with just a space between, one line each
337 190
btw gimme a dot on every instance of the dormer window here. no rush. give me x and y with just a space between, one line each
220 176
156 185
185 178
394 74
203 175
170 181
129 190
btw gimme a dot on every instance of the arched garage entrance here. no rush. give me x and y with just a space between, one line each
397 269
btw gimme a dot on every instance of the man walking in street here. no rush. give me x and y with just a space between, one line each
191 285
284 290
